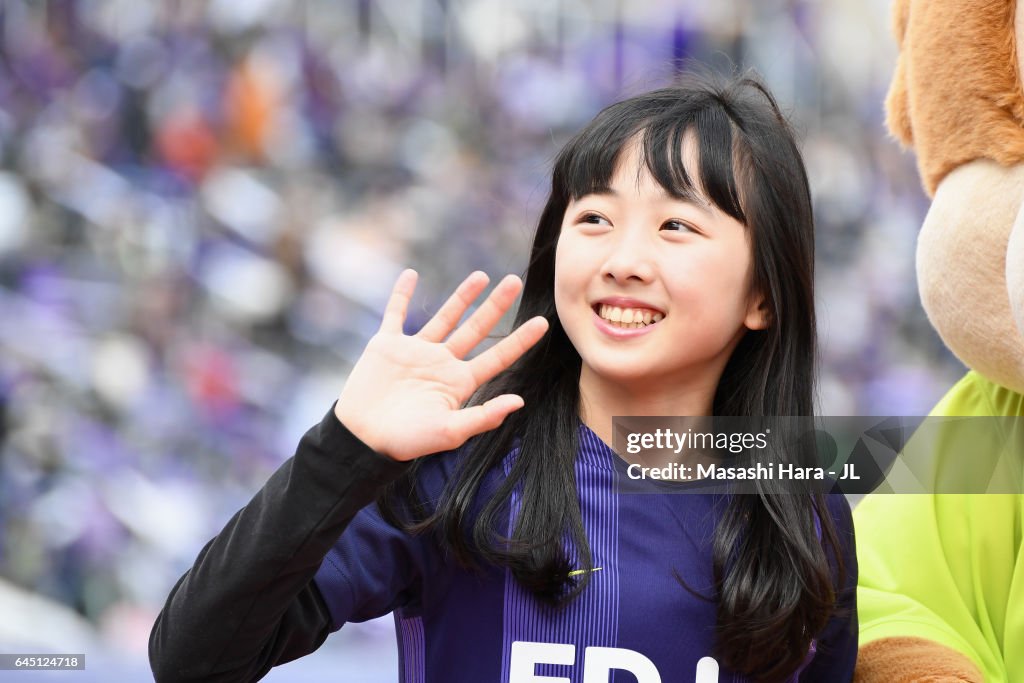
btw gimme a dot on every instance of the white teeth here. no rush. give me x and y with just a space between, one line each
629 317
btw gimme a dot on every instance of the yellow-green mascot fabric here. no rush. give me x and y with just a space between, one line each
941 594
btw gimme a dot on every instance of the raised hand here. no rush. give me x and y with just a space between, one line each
403 398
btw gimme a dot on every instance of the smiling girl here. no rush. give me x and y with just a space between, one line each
671 274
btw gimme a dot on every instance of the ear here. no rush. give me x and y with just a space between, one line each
758 314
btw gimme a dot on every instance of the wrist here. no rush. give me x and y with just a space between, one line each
349 420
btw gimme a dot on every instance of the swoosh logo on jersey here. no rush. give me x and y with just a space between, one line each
576 572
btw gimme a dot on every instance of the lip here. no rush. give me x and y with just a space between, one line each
619 332
626 302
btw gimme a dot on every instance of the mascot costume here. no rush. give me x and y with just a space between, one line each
941 594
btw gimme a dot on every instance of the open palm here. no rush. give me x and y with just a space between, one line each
403 398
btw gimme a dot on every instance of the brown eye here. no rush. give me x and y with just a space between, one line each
594 219
678 226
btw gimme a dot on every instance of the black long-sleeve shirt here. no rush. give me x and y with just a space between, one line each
249 601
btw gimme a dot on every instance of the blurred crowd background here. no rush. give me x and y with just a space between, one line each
204 203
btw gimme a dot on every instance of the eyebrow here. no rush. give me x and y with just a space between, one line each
695 198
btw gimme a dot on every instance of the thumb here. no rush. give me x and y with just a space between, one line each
474 420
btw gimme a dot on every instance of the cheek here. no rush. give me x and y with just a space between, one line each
574 260
571 282
563 278
711 285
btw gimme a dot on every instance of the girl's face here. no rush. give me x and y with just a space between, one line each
653 291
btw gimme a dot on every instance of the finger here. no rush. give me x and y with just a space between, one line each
508 350
398 303
474 420
445 320
484 318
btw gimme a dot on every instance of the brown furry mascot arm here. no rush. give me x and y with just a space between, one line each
902 660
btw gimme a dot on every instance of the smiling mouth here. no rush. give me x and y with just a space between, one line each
627 318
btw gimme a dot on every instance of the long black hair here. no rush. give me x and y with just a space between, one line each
774 575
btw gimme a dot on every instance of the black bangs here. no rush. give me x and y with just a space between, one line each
663 118
713 133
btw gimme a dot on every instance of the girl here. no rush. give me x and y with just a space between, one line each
671 274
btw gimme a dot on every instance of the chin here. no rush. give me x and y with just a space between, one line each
619 372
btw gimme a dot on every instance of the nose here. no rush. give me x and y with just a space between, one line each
631 258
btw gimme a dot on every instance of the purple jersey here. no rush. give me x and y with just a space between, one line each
634 622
